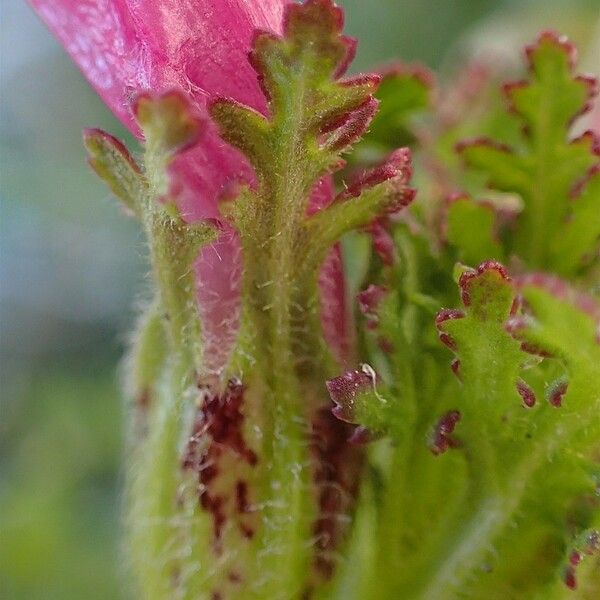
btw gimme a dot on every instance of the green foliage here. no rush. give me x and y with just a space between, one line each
166 352
526 426
404 93
515 428
280 359
546 165
470 227
481 470
578 241
169 127
490 359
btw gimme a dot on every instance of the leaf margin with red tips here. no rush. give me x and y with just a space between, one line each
488 361
544 182
311 54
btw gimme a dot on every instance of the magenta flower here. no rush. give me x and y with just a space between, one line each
125 47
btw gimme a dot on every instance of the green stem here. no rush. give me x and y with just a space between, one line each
272 349
159 524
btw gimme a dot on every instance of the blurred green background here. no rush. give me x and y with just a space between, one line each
72 269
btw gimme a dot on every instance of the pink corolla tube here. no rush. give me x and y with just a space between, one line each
199 47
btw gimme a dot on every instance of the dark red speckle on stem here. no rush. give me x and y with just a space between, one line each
336 470
215 442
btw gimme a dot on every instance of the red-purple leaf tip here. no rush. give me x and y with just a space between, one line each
590 140
415 71
351 127
516 325
556 392
461 146
169 118
91 134
383 244
526 393
259 39
448 314
442 439
330 18
551 37
455 366
368 302
397 171
315 22
562 43
559 289
442 316
467 278
579 187
344 389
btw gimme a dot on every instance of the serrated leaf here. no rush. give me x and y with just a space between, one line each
490 360
565 324
309 105
379 191
312 117
525 456
544 170
170 127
